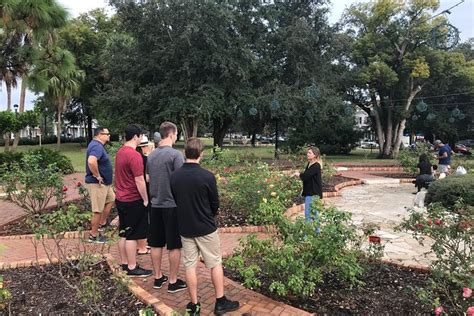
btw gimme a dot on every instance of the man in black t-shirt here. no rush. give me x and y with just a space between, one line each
195 193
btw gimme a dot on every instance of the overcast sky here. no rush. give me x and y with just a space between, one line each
461 17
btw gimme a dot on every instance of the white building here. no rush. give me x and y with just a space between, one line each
364 124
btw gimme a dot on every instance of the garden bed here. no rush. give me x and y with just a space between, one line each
227 218
34 291
20 226
388 289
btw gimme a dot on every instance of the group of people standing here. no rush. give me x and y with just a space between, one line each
166 201
427 170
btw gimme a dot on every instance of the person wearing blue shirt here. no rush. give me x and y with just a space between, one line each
444 156
98 182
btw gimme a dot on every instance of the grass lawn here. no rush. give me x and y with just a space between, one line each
77 154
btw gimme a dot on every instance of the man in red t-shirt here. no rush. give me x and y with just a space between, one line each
131 199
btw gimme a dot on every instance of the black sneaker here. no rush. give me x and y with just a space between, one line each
139 272
159 282
193 309
179 285
223 305
97 239
124 267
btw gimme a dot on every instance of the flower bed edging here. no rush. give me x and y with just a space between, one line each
67 235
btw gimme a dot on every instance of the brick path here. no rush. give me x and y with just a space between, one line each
10 211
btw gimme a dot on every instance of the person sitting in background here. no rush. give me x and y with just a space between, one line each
425 176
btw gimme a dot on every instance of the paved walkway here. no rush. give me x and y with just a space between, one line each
10 211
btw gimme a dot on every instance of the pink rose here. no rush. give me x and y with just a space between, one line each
439 310
470 311
438 222
466 292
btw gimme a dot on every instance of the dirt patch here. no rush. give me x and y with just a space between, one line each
35 292
387 290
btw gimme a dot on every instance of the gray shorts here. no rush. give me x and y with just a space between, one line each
443 168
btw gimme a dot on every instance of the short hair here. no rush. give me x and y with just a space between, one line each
166 128
132 130
99 130
193 148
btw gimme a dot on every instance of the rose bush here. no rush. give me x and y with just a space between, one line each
451 233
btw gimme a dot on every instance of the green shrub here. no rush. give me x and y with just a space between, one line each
243 190
8 158
448 190
31 185
45 157
297 258
48 157
451 237
409 157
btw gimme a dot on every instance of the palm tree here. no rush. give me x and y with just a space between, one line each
60 79
29 25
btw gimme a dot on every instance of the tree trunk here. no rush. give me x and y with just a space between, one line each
9 95
254 136
399 135
58 129
7 136
387 148
21 110
89 128
220 128
378 123
189 127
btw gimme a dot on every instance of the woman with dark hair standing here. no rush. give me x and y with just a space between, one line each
426 172
312 183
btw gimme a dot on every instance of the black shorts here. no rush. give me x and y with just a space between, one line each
164 228
133 219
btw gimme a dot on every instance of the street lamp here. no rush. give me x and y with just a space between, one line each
275 107
15 106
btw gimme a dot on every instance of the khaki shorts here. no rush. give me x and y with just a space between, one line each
100 195
209 246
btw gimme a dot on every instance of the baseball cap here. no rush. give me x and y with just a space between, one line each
437 142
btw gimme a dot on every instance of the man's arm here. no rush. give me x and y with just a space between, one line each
94 167
141 186
213 195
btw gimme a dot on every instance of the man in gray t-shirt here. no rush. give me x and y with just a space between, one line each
163 230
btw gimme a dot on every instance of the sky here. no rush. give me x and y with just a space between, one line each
462 17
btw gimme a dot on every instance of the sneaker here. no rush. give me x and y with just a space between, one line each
223 305
179 285
159 282
97 239
139 272
124 267
193 309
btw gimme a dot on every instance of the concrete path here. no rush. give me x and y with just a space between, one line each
385 205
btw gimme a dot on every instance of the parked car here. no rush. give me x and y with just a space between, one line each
369 144
462 149
467 142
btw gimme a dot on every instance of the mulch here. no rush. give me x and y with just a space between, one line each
36 292
394 175
388 290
